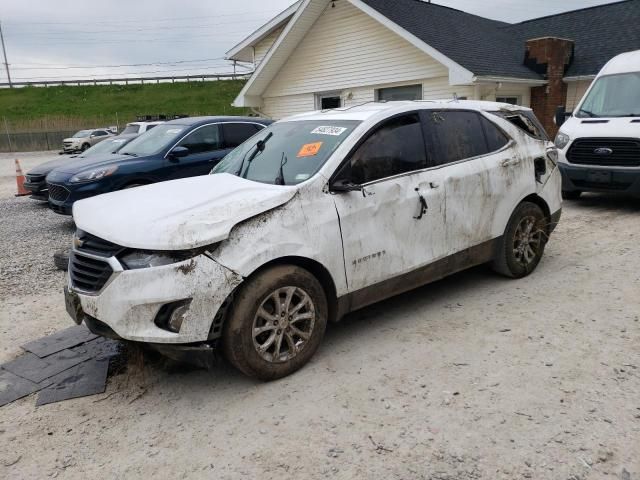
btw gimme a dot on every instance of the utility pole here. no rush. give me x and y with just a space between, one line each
4 53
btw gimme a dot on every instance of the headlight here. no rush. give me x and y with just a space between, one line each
137 259
562 140
91 175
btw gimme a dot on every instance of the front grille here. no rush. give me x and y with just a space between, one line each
88 274
96 246
624 152
58 192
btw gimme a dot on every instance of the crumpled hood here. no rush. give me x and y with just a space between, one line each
177 215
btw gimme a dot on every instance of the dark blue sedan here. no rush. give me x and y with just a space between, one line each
180 148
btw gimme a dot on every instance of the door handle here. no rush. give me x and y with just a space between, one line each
511 162
423 206
434 185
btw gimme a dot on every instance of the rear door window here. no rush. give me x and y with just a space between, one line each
235 134
454 135
395 147
204 139
496 139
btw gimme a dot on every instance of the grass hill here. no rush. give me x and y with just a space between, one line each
67 107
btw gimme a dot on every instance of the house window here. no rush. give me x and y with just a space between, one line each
409 92
327 101
510 100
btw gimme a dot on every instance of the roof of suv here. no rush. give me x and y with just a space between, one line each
367 110
195 121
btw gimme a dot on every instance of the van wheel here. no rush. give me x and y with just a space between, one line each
573 195
522 246
275 323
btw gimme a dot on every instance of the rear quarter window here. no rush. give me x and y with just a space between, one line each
525 121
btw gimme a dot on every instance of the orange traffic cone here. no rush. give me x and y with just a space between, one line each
20 181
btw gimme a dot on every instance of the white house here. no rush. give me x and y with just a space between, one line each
338 53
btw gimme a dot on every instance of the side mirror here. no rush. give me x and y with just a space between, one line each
93 135
345 185
179 152
561 115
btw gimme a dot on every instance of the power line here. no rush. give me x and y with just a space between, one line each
166 19
151 30
61 67
120 73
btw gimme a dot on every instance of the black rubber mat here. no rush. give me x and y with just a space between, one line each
67 338
13 387
88 378
37 369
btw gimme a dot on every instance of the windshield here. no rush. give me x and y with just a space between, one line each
82 134
106 146
301 148
131 128
154 141
613 96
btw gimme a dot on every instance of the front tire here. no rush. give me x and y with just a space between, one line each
276 322
522 245
85 147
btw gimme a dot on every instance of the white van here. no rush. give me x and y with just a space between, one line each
315 216
599 143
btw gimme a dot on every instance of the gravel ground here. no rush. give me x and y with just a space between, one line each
474 377
29 235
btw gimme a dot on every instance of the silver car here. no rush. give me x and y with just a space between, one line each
85 139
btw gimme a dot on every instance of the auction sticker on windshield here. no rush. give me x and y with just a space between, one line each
309 150
333 131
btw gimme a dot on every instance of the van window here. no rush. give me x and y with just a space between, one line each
613 96
454 135
131 129
395 147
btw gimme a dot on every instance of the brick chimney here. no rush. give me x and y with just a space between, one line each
550 57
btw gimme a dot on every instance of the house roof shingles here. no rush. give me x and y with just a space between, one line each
493 48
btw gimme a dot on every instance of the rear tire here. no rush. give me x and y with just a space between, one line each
573 195
522 246
275 323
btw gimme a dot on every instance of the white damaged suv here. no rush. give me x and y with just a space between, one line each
314 217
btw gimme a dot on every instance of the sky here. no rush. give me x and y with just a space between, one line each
77 39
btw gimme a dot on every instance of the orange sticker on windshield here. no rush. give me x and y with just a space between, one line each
309 150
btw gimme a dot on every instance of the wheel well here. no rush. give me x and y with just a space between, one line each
319 271
533 198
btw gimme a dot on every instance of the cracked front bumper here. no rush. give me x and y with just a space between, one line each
130 301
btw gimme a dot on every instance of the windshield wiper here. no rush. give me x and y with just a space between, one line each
256 149
591 114
280 178
129 154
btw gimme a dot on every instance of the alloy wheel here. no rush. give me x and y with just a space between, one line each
283 324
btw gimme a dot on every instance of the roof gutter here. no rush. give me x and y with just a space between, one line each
579 78
524 81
